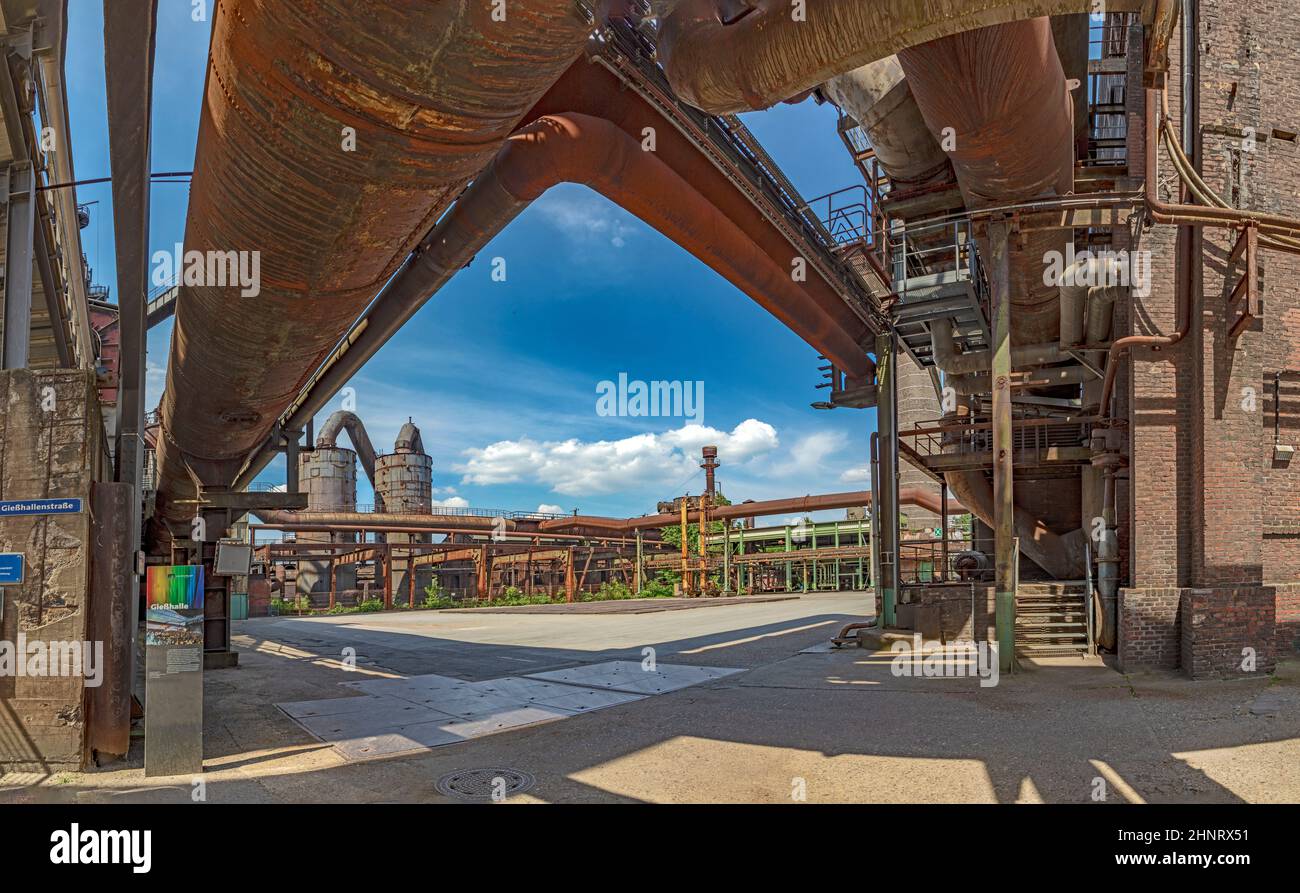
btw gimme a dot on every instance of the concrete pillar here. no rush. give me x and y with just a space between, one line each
52 437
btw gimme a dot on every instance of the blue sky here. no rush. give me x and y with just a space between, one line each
502 377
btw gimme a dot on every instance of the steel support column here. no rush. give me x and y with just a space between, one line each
20 195
1004 524
887 491
129 28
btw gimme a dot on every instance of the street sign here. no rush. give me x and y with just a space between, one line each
40 507
11 568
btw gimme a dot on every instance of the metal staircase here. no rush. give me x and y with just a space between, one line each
1052 619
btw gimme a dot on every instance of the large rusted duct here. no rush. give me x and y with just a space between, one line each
725 56
333 135
880 100
1000 93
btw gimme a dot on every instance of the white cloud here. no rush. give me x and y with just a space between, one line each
547 509
808 454
455 502
587 217
578 468
860 474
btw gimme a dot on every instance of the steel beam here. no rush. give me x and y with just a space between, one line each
128 78
20 193
999 273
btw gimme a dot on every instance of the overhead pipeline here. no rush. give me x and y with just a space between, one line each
329 150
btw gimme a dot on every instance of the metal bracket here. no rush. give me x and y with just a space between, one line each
1247 286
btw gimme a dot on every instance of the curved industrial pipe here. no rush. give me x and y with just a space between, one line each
582 149
726 57
344 420
324 155
1086 308
880 100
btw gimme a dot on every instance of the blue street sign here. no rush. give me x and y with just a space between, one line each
40 507
11 568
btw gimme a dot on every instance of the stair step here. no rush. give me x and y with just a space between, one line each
1066 624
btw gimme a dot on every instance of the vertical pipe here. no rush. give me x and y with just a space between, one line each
570 581
726 556
887 423
999 270
640 563
789 578
686 563
943 527
837 560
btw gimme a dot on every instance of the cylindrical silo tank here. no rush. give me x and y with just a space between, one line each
328 475
404 485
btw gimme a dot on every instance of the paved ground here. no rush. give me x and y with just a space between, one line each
801 721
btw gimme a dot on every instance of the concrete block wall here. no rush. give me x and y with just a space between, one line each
48 450
964 615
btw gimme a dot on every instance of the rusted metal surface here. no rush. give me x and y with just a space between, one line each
429 90
999 95
111 619
769 55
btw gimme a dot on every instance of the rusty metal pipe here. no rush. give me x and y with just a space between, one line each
386 521
723 64
326 148
921 497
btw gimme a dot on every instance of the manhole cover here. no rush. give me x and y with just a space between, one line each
485 785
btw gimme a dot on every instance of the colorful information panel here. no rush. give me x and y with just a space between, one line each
173 712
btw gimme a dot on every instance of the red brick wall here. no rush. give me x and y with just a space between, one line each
1148 629
1288 619
1219 625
